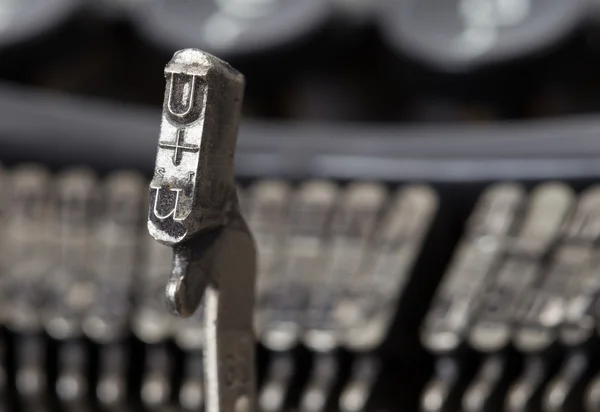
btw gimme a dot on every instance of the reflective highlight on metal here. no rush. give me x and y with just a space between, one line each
369 296
193 207
475 259
494 324
352 227
527 389
437 393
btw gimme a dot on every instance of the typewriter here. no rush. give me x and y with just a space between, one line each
419 177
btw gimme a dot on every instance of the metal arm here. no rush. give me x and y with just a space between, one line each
194 209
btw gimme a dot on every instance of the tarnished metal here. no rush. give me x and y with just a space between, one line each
193 207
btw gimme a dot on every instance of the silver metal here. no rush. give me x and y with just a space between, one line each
72 387
156 382
111 389
116 241
479 393
267 205
116 247
189 336
305 243
193 188
189 332
150 322
70 282
317 392
370 295
591 397
191 392
578 324
543 308
559 390
492 330
496 210
356 393
521 395
352 227
472 267
31 380
438 390
275 390
549 206
584 225
25 251
546 212
581 309
193 208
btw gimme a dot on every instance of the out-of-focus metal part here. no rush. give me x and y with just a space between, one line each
305 244
156 387
462 35
116 246
524 394
150 322
558 396
190 337
493 327
274 392
193 208
266 208
111 389
591 398
438 392
578 324
70 282
356 393
548 210
231 28
72 386
116 252
482 393
22 21
30 374
189 332
473 265
352 227
584 224
317 392
191 392
25 251
370 294
544 306
267 211
496 210
25 259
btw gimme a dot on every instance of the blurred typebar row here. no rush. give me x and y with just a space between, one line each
82 286
514 323
451 35
511 325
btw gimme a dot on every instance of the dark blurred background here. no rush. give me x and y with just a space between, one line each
351 60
